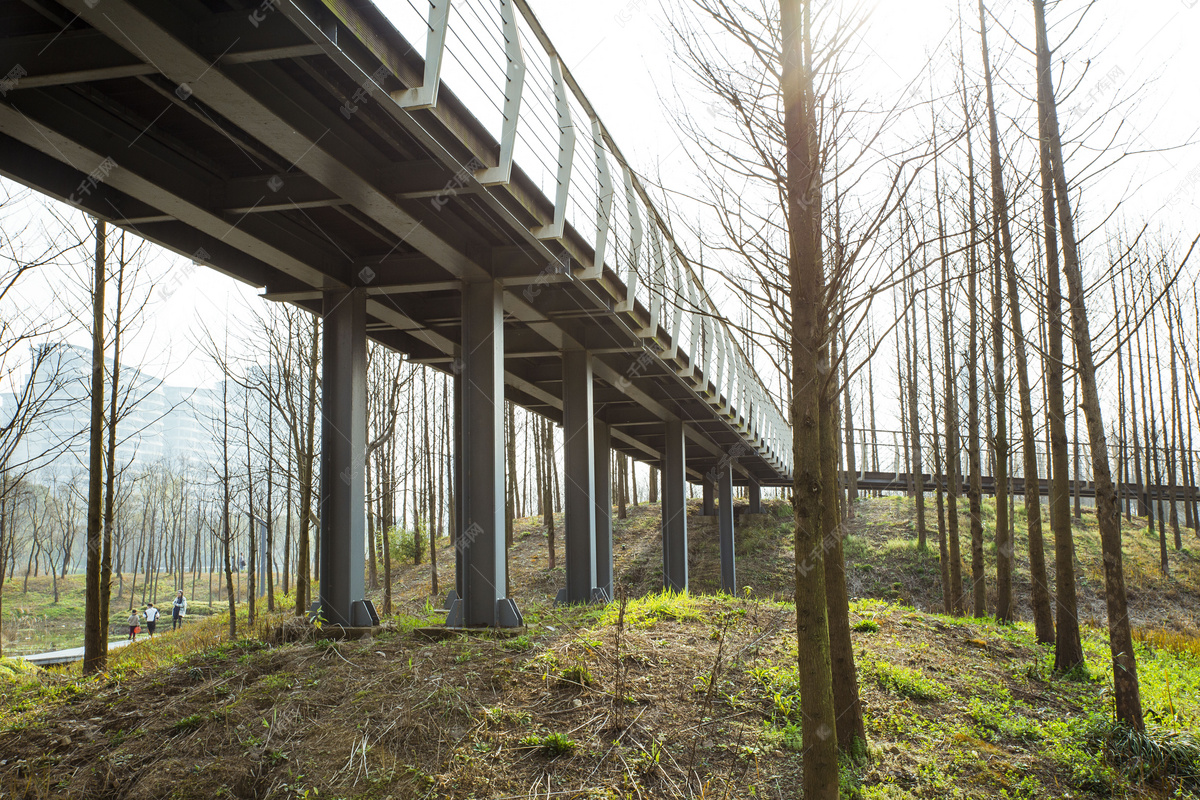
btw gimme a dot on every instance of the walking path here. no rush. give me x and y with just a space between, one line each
67 656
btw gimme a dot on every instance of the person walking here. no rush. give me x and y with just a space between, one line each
178 610
151 618
134 623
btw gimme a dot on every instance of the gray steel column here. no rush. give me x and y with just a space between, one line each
343 461
755 499
725 526
481 392
602 478
674 509
709 508
579 506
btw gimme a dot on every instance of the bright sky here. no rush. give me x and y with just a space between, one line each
620 53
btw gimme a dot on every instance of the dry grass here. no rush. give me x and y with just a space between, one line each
655 696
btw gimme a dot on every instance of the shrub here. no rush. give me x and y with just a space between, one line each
407 546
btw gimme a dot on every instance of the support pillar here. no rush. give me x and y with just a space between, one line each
674 509
709 508
480 425
725 526
579 504
755 499
340 599
602 478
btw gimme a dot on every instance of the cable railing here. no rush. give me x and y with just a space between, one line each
507 73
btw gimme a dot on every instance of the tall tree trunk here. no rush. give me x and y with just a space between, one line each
548 496
1172 495
851 465
303 587
951 557
809 355
510 506
851 729
1125 680
270 554
110 458
974 480
913 357
1043 619
1068 652
938 475
95 630
251 525
623 480
287 521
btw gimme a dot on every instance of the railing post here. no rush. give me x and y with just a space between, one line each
425 96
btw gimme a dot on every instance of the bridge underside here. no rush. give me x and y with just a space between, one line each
264 140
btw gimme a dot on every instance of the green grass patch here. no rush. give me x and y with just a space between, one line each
644 612
906 682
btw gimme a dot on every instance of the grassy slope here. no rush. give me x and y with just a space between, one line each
678 697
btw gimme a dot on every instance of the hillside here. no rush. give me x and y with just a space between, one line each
653 696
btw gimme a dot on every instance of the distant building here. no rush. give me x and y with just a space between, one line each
157 421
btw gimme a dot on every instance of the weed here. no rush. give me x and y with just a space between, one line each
905 682
552 745
577 676
1153 755
866 626
517 644
189 723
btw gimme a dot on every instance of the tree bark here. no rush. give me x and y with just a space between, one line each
810 363
1043 619
95 635
1125 680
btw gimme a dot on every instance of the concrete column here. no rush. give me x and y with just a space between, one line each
709 508
340 600
725 526
674 509
603 482
755 499
579 505
481 538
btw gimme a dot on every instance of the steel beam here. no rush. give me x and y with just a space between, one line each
603 482
343 458
481 425
725 528
579 518
755 498
674 509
